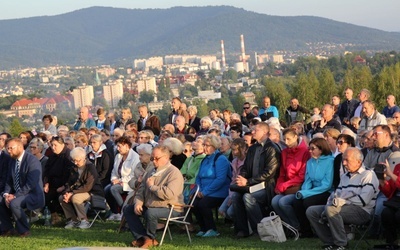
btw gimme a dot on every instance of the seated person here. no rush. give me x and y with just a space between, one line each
157 190
213 180
124 165
82 182
353 202
23 190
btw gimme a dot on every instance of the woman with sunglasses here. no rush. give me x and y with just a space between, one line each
343 142
317 184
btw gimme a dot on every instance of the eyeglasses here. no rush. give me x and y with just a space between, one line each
32 147
246 107
375 133
207 145
11 148
340 142
76 160
312 148
142 137
156 158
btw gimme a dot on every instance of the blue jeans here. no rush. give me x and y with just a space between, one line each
247 208
283 206
227 210
113 196
151 216
376 229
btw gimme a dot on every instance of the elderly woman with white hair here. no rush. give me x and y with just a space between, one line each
100 157
36 146
82 183
176 148
213 179
194 120
205 125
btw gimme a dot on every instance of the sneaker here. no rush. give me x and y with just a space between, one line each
199 234
71 224
114 217
211 233
84 224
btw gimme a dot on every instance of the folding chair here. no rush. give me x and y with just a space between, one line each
180 220
363 230
98 205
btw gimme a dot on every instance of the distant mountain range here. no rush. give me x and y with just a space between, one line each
99 35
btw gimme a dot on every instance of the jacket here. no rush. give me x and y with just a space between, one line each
378 155
390 188
57 169
191 167
319 177
167 188
4 166
214 179
106 124
347 109
103 163
181 112
152 122
293 167
368 123
268 167
301 115
122 124
127 170
88 124
88 182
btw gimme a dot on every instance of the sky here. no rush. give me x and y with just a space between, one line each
382 14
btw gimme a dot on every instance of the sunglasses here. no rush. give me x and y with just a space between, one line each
312 148
340 142
156 158
246 107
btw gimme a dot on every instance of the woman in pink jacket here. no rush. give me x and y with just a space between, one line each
291 176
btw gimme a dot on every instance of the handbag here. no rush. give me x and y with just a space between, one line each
98 202
292 189
271 229
239 189
393 203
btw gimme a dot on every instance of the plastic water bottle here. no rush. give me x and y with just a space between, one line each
47 217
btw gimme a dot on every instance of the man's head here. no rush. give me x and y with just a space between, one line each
327 112
143 112
3 139
176 103
160 156
169 127
390 100
260 132
266 102
15 148
84 113
364 95
294 103
396 116
348 93
368 140
368 108
274 135
335 100
382 136
225 144
352 159
180 122
247 107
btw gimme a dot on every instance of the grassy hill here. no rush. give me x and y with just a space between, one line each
104 35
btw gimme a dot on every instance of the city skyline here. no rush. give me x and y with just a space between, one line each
377 14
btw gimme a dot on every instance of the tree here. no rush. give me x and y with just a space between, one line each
277 91
163 113
126 98
202 109
213 73
164 89
146 96
100 101
16 128
231 75
327 87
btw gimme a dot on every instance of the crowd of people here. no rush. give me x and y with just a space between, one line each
320 170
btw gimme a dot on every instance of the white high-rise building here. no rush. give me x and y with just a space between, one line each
83 96
113 93
146 84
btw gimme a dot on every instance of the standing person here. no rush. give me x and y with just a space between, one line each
102 122
391 107
56 174
317 184
348 106
126 118
113 122
47 124
23 190
291 176
123 171
295 112
352 203
247 115
268 111
162 187
177 110
261 165
213 180
82 183
363 96
84 121
148 120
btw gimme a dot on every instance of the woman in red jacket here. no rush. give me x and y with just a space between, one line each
291 176
390 187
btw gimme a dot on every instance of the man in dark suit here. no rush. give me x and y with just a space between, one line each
4 161
23 190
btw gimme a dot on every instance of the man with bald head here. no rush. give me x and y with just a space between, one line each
327 120
391 107
268 110
84 121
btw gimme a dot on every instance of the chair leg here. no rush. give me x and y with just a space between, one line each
164 231
95 217
188 233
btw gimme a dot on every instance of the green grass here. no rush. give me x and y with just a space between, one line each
103 234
